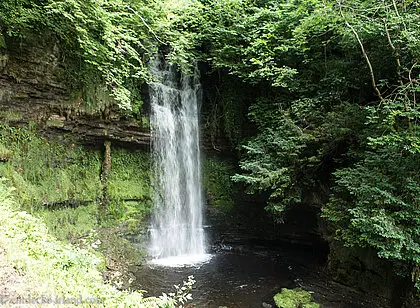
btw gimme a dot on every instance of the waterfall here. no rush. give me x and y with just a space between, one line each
177 235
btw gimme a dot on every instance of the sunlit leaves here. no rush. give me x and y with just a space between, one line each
108 38
376 204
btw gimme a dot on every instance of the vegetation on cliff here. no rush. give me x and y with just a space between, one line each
59 273
58 234
333 110
104 42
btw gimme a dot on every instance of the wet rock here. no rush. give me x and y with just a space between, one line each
32 90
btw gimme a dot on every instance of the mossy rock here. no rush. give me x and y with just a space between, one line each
296 298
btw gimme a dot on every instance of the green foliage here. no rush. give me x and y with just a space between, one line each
295 298
178 28
45 171
129 186
270 160
375 203
67 224
336 107
61 269
217 183
108 38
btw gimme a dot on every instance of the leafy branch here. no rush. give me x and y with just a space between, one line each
372 74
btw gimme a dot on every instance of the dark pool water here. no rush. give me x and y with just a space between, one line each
249 277
247 268
235 276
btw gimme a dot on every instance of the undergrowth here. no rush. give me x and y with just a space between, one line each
60 270
53 267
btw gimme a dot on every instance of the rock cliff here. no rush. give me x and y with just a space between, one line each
33 89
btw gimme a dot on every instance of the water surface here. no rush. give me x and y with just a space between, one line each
234 277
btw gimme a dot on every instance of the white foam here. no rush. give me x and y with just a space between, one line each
182 260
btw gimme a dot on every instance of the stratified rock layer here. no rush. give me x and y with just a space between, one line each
32 88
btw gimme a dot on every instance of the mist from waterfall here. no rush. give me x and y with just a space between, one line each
177 234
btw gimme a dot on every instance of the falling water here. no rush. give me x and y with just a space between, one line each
177 235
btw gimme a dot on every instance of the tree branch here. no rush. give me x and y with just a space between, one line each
412 83
147 26
372 74
399 73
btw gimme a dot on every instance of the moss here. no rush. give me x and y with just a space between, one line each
5 153
50 175
130 213
129 186
69 224
217 183
130 174
9 116
295 298
46 172
54 123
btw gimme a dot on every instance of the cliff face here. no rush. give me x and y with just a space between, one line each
32 89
